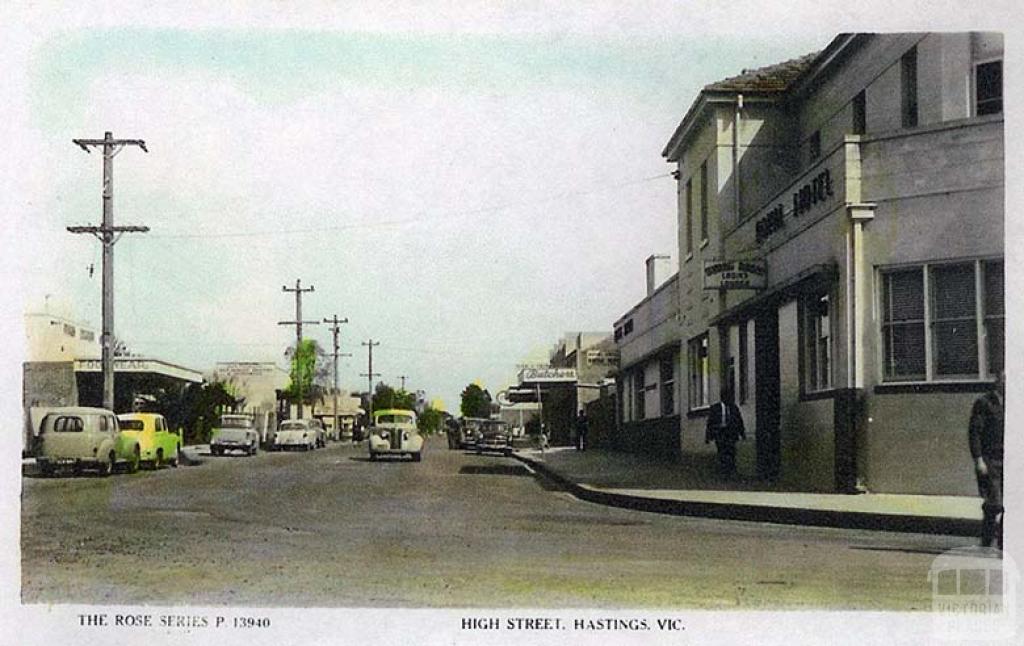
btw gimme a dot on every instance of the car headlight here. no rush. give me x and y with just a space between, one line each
405 436
383 435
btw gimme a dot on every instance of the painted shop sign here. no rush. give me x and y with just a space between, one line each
814 192
547 375
739 274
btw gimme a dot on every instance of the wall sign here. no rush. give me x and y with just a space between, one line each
739 274
816 191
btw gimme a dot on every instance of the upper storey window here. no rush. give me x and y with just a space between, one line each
908 82
988 84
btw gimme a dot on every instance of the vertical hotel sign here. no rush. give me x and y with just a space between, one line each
738 274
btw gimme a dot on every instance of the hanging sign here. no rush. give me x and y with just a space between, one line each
738 274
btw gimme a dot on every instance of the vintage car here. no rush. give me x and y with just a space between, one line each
394 432
85 438
158 444
235 432
469 430
494 435
321 432
296 434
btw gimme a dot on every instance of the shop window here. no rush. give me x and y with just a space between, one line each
704 202
689 216
817 343
908 82
988 88
860 113
814 146
668 385
639 395
69 330
938 337
744 364
700 376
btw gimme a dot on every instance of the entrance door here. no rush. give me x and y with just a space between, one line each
767 394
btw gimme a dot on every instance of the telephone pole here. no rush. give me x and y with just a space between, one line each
403 378
108 234
298 323
370 374
335 328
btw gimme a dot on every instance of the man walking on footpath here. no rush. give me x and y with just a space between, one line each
581 431
985 435
725 428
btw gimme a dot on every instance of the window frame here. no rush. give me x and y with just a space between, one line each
667 386
704 202
981 320
699 371
640 394
743 367
974 85
910 110
688 190
859 107
816 379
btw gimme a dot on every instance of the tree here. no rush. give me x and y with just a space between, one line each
196 408
430 420
476 402
309 373
384 396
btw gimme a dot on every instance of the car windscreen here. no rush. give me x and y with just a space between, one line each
295 426
394 419
130 424
235 422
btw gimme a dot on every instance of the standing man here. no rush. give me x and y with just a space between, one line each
581 431
985 435
725 428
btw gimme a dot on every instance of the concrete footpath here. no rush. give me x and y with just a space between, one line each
636 482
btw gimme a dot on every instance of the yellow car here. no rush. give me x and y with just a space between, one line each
158 444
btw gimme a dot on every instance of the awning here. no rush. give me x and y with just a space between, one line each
811 278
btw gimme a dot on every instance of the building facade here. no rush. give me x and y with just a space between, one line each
841 260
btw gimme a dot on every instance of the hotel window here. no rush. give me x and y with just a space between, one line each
668 385
988 88
700 376
689 216
704 202
814 146
817 343
994 316
639 395
860 113
937 337
908 82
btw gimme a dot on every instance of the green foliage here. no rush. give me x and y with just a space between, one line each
384 396
196 408
308 373
430 421
476 402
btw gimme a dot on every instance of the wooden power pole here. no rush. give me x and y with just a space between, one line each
298 323
370 374
335 329
108 234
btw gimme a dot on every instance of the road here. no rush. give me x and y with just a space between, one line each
332 529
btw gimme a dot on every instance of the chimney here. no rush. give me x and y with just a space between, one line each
657 271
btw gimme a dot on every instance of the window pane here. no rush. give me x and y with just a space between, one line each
956 347
904 351
953 291
996 347
989 84
994 288
904 297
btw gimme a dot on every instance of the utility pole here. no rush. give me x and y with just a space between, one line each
335 328
108 234
370 374
403 378
298 323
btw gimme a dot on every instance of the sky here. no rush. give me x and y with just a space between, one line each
464 186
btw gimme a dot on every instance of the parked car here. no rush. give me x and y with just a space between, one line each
85 438
295 434
494 435
321 433
158 444
469 430
235 432
394 432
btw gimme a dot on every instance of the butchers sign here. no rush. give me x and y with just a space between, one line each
738 274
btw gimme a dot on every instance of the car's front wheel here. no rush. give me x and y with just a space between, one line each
416 457
107 467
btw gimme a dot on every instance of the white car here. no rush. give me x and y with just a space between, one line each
394 432
234 433
296 434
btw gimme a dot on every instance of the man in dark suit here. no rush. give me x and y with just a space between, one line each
725 428
985 436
